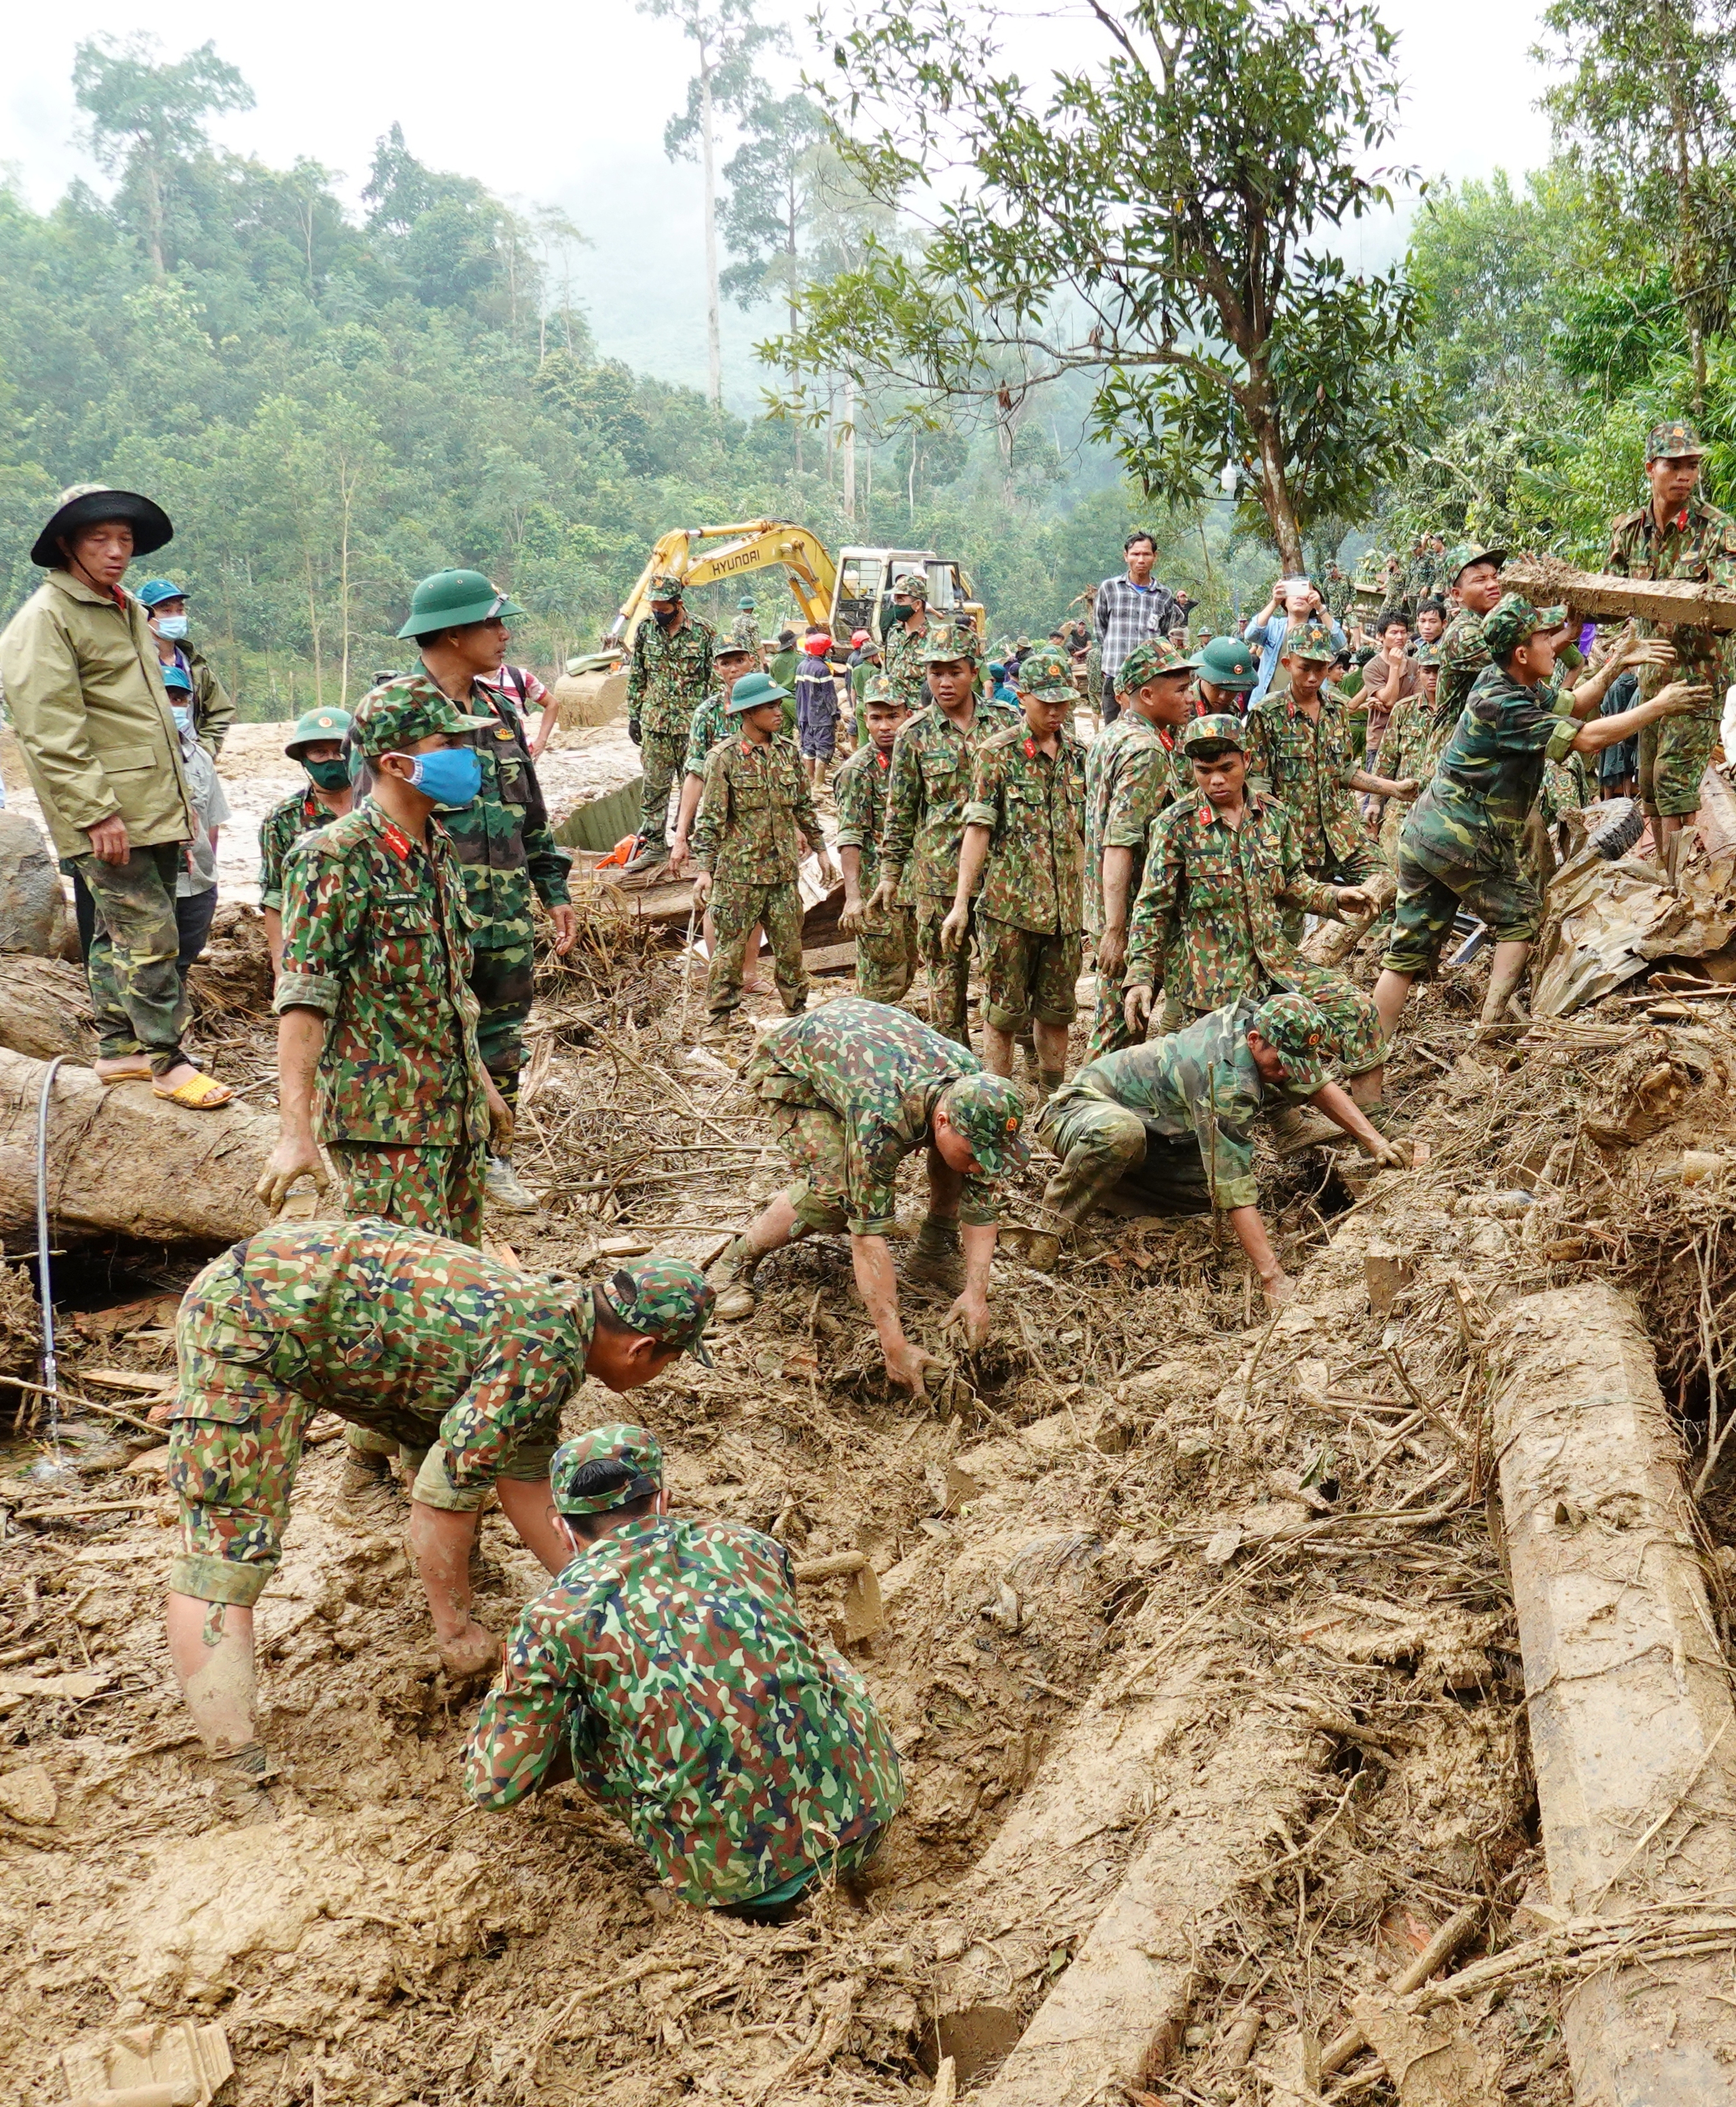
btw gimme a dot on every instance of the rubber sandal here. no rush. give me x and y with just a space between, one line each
141 1074
199 1093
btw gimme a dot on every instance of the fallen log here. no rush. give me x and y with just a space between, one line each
124 1162
45 1008
1632 1733
1673 603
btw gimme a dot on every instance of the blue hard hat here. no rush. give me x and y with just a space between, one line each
155 591
175 675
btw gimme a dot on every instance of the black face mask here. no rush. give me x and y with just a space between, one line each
907 613
663 621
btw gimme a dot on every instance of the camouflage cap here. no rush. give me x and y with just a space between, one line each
1677 440
1151 660
1311 640
637 1453
953 640
913 584
990 1113
317 724
1426 655
880 694
1512 620
666 585
1047 673
1227 663
1460 558
726 647
1219 730
667 1299
392 718
1292 1024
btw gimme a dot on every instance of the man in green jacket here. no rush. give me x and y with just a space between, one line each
82 675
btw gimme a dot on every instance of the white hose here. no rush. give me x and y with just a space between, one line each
51 1370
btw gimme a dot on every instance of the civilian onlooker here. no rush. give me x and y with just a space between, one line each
164 604
1128 609
783 666
82 678
1389 675
1431 620
1618 765
1292 601
817 708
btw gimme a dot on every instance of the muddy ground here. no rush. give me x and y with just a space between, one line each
1152 1567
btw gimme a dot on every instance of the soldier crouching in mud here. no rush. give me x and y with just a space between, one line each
465 1361
670 1670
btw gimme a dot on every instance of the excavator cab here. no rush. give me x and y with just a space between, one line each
866 578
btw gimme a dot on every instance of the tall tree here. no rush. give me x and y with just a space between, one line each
145 116
726 40
1156 217
1646 108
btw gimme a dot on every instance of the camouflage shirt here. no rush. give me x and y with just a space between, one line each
1472 814
878 1070
1206 925
906 668
1033 876
1463 655
431 1341
1130 775
859 791
932 764
1404 744
1699 543
755 799
744 632
738 1750
1307 766
710 727
376 939
1200 1081
299 814
669 675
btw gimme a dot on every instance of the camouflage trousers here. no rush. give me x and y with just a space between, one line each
1364 865
1674 752
504 984
138 996
1028 973
1109 1029
948 972
1103 1146
886 954
1357 1039
437 1189
1500 893
662 753
813 1140
736 911
236 1435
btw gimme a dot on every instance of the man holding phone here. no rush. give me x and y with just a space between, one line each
1292 601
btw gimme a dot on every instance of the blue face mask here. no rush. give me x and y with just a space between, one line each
183 716
451 774
173 627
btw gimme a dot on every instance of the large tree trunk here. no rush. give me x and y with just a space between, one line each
45 1009
124 1162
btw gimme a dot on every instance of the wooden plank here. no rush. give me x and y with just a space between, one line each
1676 602
830 958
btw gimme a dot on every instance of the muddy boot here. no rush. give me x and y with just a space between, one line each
241 1783
505 1192
937 1258
366 1471
1293 1128
732 1276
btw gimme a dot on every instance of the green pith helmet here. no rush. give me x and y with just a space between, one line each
751 691
1459 559
746 601
1151 660
951 640
1220 729
1047 674
1675 440
1292 1027
317 724
990 1113
1512 621
636 1451
391 720
1311 640
450 598
1227 663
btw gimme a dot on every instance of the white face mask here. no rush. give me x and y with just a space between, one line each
173 627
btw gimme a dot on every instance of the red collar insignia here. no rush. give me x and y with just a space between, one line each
1030 748
399 842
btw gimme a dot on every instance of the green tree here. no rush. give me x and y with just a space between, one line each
1146 221
145 118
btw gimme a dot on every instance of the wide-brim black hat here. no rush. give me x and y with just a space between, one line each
88 503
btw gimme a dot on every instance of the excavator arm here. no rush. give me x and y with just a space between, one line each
751 545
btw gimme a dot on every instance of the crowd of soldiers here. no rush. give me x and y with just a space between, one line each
1222 802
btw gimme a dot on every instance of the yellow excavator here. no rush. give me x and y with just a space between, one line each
839 596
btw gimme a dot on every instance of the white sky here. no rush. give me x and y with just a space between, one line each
565 104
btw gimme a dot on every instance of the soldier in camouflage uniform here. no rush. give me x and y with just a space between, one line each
374 998
756 803
1676 534
317 744
1133 769
906 652
1462 840
502 837
1474 577
1403 745
1222 865
462 1362
1299 749
744 629
1170 1122
932 762
852 1088
667 677
1024 843
710 728
885 937
747 1760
